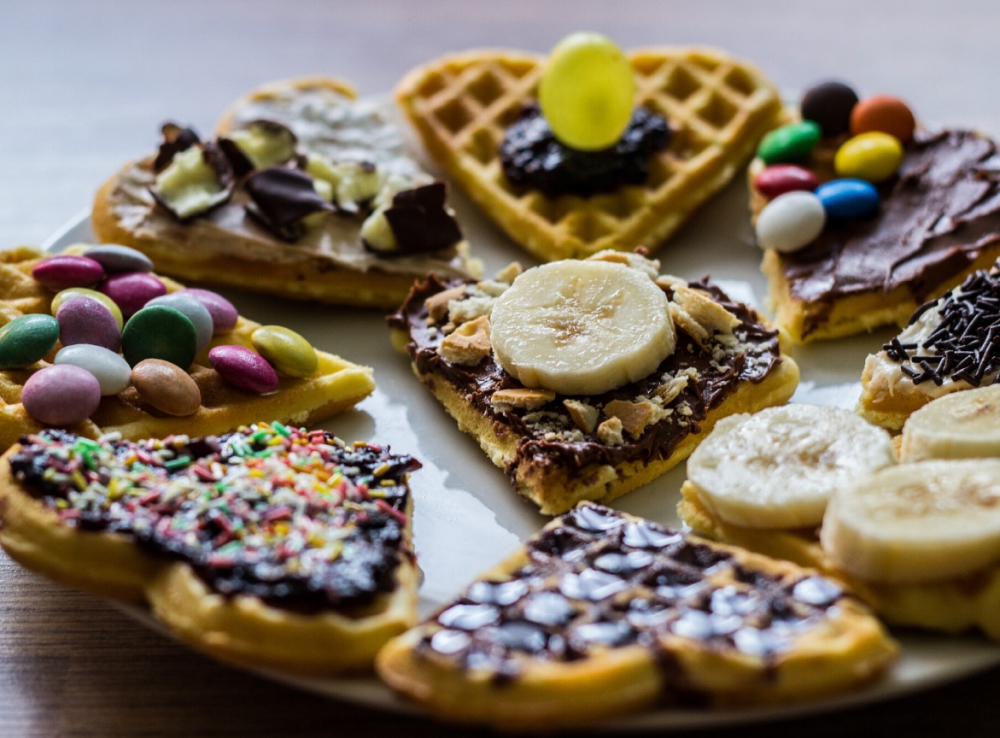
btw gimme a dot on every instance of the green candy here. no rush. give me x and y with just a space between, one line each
285 350
27 339
160 332
790 143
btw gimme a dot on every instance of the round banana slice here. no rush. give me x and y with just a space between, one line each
920 522
778 468
581 327
963 425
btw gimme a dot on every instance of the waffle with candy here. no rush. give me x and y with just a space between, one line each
309 195
333 386
584 441
272 546
602 612
717 109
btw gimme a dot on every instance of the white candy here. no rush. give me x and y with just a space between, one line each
112 371
194 310
790 221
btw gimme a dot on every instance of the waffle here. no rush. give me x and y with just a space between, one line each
227 248
952 606
320 628
602 613
337 386
718 109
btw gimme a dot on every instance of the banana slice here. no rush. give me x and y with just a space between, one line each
963 425
581 327
778 468
920 522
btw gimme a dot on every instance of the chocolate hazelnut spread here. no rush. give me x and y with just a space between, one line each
943 208
714 372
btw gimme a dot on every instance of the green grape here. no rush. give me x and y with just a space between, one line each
587 91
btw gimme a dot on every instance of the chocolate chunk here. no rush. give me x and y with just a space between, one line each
420 222
282 197
830 104
283 142
179 203
239 161
175 139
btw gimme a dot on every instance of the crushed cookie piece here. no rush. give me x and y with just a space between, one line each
470 308
634 416
692 308
437 305
669 282
650 267
492 287
610 432
669 390
583 415
510 272
468 344
526 399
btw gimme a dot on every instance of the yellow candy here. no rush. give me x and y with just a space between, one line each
873 157
61 297
286 350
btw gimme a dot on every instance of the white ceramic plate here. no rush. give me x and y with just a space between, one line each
467 517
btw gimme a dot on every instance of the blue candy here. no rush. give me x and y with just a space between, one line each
848 198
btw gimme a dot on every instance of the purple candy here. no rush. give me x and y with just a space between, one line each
132 290
62 394
224 315
243 368
85 320
64 271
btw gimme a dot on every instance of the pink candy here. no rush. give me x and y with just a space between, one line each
62 394
132 290
245 369
85 320
224 315
781 178
65 271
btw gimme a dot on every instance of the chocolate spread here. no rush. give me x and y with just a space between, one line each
715 380
943 208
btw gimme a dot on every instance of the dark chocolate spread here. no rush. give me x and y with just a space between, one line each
943 208
717 377
596 579
296 518
532 157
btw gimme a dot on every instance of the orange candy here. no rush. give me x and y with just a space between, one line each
883 113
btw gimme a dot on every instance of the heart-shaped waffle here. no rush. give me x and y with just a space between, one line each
718 109
272 547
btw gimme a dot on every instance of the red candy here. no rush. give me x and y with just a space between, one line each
782 178
132 290
64 271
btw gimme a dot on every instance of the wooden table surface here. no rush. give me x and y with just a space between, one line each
84 86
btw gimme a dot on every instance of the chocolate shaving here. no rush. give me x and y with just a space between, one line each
214 157
175 140
282 197
420 222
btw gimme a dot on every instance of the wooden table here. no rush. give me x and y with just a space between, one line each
85 86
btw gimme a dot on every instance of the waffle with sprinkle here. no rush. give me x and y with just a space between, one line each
718 109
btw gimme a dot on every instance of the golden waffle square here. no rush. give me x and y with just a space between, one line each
939 222
296 558
717 107
337 386
602 613
227 247
559 450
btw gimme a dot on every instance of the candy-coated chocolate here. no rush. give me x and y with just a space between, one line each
848 198
65 270
160 332
83 319
224 315
27 339
61 395
115 258
781 178
286 350
790 221
873 157
193 309
61 297
245 369
789 143
132 290
883 113
112 371
166 387
829 104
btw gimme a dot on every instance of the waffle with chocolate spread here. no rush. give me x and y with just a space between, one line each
939 221
559 450
272 547
270 229
336 386
602 612
717 109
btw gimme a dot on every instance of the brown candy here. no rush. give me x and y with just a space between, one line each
166 387
883 113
